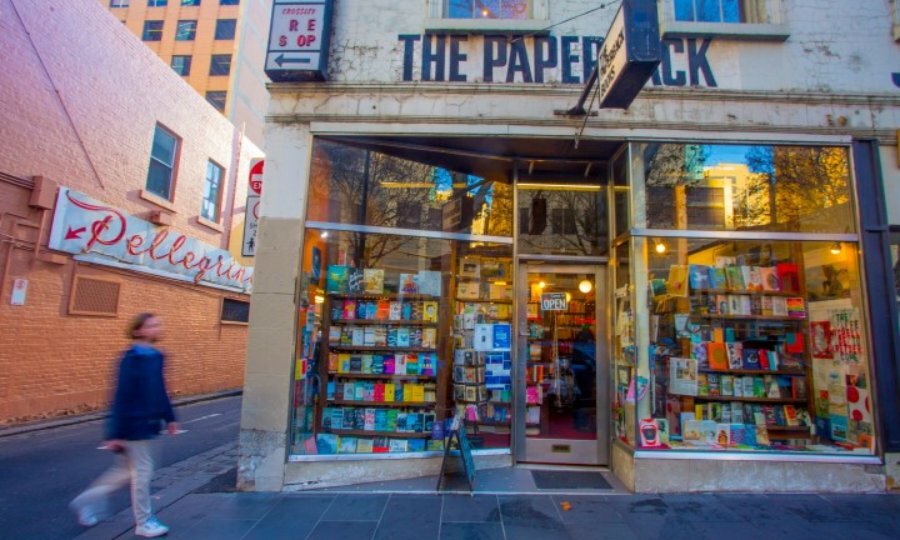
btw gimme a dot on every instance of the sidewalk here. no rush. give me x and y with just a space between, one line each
196 500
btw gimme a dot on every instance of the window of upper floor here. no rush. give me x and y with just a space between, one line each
734 19
163 163
181 64
190 2
487 15
186 30
229 2
217 100
212 192
157 3
118 3
225 28
220 64
152 31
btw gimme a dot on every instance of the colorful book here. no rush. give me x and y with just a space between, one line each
429 282
769 278
677 284
779 306
734 278
396 311
336 278
698 277
408 284
750 358
717 355
349 310
788 276
429 338
355 281
403 337
373 279
429 311
734 351
796 307
365 446
717 279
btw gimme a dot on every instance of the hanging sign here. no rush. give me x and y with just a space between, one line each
630 54
554 301
101 234
298 40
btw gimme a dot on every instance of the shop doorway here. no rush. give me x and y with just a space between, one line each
563 365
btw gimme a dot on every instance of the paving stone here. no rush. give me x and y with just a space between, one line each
586 509
345 530
471 531
466 508
356 508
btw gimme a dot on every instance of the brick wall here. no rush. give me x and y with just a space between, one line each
80 101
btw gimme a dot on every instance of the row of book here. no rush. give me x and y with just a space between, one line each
424 364
382 392
377 419
472 393
384 310
744 304
739 355
329 443
750 386
494 412
727 277
345 279
708 433
750 413
476 290
382 336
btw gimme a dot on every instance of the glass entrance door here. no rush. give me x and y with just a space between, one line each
563 365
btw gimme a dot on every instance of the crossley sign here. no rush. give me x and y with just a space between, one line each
298 40
101 234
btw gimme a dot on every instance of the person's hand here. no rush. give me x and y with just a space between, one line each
172 428
114 446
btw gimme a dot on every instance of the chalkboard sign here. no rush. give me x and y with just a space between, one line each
465 455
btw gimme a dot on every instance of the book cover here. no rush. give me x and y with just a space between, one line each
415 337
397 446
738 389
722 304
412 364
724 262
347 445
355 281
723 434
429 311
798 388
402 338
769 278
735 353
790 415
365 446
334 335
677 284
400 364
380 336
796 307
755 283
657 287
759 387
718 356
380 445
763 359
366 363
750 434
383 310
327 443
717 279
702 384
746 306
779 306
734 304
361 309
756 305
750 358
746 277
762 436
395 311
788 276
734 278
747 385
726 385
698 277
408 284
406 311
468 290
336 278
715 387
738 431
369 336
373 279
429 338
793 342
349 310
699 353
358 336
429 282
765 306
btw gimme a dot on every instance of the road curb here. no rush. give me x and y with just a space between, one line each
81 419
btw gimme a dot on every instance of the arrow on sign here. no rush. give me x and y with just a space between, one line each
280 59
75 234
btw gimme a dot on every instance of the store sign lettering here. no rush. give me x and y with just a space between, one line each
539 59
101 234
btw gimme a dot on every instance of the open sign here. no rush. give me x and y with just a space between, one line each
555 301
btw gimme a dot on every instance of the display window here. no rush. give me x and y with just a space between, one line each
399 334
748 343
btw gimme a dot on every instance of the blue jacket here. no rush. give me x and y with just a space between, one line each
141 403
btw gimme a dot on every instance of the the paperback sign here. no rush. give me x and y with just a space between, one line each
98 233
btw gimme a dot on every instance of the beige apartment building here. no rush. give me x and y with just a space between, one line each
217 46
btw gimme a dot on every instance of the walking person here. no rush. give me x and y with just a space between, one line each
140 406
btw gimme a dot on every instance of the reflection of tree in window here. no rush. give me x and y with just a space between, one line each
577 221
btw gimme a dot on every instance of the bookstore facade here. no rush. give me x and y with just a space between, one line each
681 292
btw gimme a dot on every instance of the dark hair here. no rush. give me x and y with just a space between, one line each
137 323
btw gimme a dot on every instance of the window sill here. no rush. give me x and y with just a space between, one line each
210 224
157 200
735 31
233 323
488 26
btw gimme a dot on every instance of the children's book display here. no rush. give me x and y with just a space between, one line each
731 356
383 359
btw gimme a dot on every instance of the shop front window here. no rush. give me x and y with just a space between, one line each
746 341
401 330
562 219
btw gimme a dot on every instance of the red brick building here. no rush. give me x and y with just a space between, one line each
89 114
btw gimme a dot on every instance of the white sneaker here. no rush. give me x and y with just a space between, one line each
151 529
86 516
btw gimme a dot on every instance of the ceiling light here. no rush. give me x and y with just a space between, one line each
585 286
836 248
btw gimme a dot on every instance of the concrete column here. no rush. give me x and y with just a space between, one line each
270 349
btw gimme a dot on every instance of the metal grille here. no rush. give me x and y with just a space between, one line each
92 296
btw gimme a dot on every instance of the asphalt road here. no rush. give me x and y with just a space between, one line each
41 471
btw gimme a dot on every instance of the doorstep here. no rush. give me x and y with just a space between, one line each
516 480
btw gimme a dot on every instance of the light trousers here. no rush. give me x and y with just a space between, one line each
134 465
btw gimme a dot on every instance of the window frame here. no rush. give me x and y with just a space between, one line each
193 33
222 311
229 2
212 63
119 3
157 3
190 3
145 34
437 21
187 64
217 218
776 28
224 100
233 22
173 168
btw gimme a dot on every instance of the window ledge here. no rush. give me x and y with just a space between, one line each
233 323
486 26
210 224
735 31
157 200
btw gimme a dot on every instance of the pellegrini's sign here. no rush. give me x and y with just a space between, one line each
98 233
540 59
